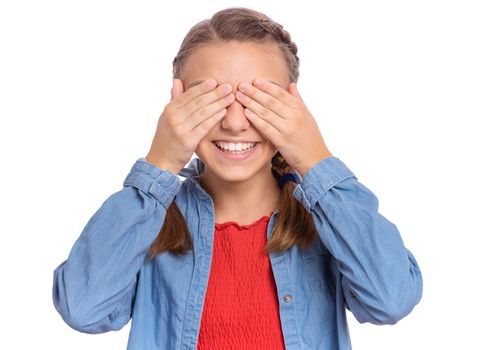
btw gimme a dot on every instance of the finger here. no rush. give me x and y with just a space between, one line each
276 91
183 97
265 99
265 128
203 128
273 119
205 99
203 114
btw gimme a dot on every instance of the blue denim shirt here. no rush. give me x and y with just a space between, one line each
358 262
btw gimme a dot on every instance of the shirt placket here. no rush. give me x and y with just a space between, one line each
279 264
203 256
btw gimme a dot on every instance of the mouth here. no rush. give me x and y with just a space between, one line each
230 153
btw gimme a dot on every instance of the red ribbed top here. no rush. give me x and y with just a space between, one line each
241 308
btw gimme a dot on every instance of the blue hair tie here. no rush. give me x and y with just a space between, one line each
285 178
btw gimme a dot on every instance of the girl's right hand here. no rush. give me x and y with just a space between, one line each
185 120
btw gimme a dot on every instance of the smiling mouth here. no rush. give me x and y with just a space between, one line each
241 151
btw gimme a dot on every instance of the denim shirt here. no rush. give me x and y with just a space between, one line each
358 262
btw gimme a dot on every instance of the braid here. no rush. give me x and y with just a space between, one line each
279 166
294 225
280 34
283 39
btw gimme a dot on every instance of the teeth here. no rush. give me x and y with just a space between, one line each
235 146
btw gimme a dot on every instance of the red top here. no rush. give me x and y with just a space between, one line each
241 308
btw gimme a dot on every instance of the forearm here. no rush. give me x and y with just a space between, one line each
380 277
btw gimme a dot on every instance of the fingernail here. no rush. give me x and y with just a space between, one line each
227 88
244 86
209 83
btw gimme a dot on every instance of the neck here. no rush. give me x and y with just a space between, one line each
242 201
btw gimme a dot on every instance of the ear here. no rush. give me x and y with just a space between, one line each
293 90
177 88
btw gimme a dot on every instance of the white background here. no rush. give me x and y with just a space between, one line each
401 91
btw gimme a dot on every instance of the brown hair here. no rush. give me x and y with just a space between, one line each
294 223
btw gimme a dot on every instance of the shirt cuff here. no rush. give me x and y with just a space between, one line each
162 184
319 179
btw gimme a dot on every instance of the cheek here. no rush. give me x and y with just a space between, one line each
267 143
269 147
204 147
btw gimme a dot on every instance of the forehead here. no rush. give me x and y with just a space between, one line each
234 62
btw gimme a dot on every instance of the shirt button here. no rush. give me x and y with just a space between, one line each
288 298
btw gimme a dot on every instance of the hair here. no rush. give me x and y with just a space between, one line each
294 225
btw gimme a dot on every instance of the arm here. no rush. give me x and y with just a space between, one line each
381 279
93 290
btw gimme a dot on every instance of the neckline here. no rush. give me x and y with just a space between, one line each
222 225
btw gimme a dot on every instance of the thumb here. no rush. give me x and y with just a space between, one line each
293 90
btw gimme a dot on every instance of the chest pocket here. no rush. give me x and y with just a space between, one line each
317 263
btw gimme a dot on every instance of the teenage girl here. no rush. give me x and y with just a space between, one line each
267 239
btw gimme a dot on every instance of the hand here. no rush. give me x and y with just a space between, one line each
185 120
282 117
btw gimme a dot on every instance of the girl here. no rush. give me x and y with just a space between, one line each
267 241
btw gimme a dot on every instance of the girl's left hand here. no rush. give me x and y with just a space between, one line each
284 119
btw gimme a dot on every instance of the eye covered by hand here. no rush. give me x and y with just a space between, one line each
282 116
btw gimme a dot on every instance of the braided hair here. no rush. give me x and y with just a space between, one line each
294 225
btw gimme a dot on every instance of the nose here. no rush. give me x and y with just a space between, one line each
235 119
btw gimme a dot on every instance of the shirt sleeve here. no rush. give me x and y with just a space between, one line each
93 290
381 279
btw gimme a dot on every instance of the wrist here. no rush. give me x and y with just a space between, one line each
303 170
162 164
